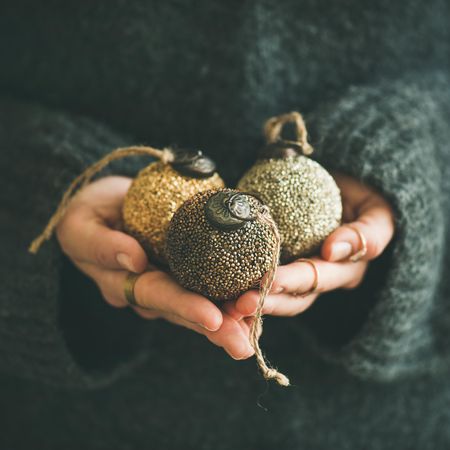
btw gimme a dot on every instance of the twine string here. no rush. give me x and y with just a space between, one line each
274 127
166 155
257 324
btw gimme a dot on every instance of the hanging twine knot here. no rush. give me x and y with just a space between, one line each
257 325
166 156
274 127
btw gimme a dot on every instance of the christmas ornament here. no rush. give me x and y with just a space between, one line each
220 243
155 194
217 247
303 197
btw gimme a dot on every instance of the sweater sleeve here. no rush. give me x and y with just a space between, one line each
393 135
54 324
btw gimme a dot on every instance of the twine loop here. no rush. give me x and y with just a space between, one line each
166 155
274 127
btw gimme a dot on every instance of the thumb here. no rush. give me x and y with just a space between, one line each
117 250
90 240
367 237
112 249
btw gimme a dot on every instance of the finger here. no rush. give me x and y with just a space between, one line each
285 305
156 290
369 217
231 336
85 237
229 308
245 322
299 277
249 321
245 325
184 308
367 237
353 192
157 294
113 249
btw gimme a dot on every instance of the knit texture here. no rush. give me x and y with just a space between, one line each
395 137
41 153
369 367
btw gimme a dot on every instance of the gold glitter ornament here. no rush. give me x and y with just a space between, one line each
155 194
152 199
303 197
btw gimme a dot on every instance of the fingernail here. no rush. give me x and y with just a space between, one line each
246 350
244 357
251 352
340 250
125 261
206 328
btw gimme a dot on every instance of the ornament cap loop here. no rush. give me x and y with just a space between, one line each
273 129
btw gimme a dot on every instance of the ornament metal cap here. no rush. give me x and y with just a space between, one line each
229 211
193 163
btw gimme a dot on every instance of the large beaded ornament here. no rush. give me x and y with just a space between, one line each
218 246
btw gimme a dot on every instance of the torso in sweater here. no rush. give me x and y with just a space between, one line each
206 74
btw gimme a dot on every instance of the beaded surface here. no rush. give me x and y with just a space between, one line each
153 197
303 198
215 263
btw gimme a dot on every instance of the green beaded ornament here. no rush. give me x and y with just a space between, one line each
303 197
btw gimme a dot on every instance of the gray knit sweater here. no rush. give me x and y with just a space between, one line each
370 367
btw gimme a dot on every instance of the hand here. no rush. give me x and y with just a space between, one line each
89 234
365 210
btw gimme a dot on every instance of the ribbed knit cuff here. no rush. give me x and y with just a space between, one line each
391 136
54 324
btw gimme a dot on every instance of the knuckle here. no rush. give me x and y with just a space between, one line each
277 286
100 255
152 277
144 290
374 238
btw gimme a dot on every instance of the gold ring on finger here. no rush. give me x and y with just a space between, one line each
316 277
363 244
128 288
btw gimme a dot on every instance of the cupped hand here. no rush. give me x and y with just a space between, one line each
365 211
89 234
